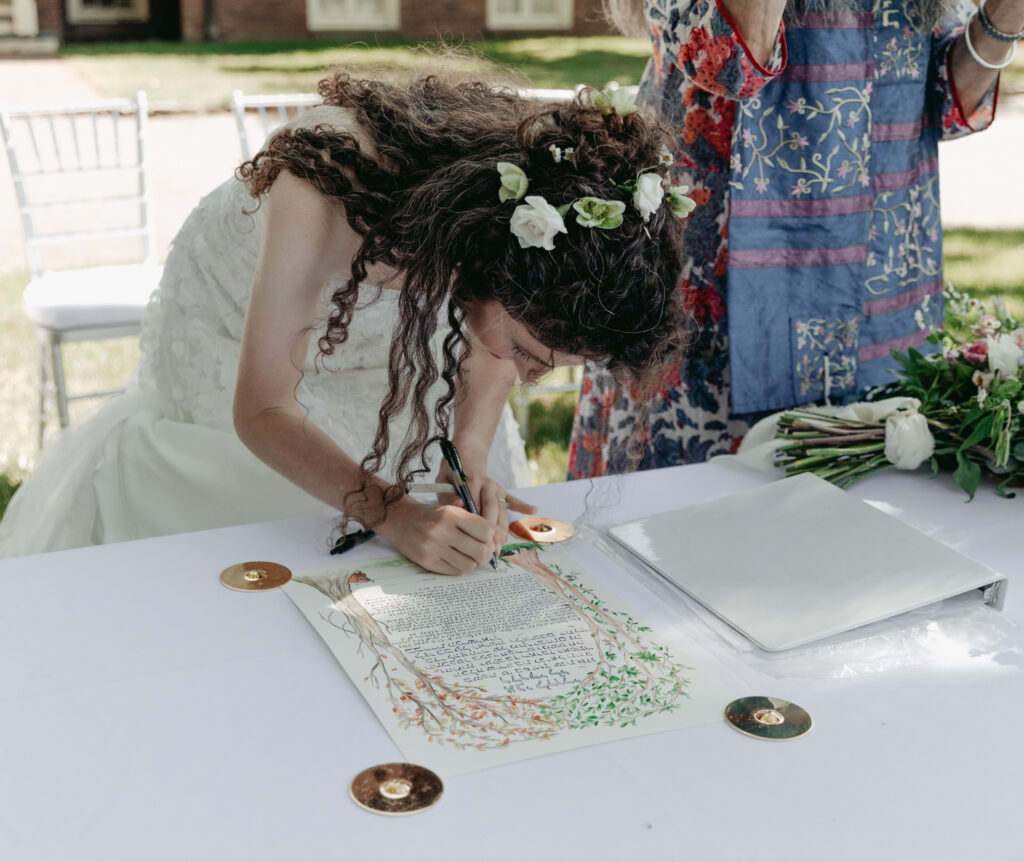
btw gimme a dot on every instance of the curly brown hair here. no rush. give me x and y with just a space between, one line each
428 205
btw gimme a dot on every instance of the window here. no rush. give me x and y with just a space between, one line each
107 11
529 14
352 14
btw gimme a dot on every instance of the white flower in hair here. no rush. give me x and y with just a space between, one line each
513 182
623 99
597 212
665 157
679 203
556 153
535 223
648 195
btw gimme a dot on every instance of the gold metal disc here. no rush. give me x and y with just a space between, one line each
768 718
255 577
396 788
539 529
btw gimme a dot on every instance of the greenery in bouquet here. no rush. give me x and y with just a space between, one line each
961 408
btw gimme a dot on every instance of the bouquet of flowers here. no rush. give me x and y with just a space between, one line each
961 408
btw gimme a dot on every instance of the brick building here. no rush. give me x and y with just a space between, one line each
236 20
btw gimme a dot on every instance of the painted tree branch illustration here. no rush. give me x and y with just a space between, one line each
629 679
624 686
464 716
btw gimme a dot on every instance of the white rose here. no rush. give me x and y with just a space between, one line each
648 195
1004 355
535 223
513 182
1020 406
908 440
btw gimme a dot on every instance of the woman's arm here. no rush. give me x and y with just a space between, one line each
971 79
729 48
758 23
306 242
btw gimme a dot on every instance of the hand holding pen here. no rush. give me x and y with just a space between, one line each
449 538
458 477
494 501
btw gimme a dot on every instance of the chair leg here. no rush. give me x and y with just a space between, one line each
58 382
43 351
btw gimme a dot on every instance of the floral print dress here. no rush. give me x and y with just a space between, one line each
815 247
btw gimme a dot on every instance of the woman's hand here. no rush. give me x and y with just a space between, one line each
445 539
493 501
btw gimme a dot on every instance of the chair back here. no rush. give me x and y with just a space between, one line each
257 116
80 178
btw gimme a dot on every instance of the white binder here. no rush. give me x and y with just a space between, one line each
798 560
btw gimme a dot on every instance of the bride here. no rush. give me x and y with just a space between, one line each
378 276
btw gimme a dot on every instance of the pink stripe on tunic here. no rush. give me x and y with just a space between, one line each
797 207
830 72
903 300
754 258
904 179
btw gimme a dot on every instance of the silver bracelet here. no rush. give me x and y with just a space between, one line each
992 30
981 61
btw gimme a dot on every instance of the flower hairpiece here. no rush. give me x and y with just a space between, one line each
620 99
679 203
558 154
535 223
513 182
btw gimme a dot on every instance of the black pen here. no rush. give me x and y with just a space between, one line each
451 458
349 541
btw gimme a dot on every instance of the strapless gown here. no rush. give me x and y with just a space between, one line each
163 456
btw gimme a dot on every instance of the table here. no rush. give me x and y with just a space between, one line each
148 713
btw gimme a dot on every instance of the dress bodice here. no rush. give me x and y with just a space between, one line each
191 339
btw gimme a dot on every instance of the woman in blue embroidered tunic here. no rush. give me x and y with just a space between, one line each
808 137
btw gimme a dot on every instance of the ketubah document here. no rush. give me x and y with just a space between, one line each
799 559
496 666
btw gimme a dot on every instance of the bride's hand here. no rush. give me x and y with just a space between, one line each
493 501
445 539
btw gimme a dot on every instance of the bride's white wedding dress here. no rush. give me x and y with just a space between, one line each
163 457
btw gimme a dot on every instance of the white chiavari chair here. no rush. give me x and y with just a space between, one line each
81 183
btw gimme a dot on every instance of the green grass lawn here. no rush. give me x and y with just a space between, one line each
204 74
987 263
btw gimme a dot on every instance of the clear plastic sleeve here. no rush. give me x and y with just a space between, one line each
958 630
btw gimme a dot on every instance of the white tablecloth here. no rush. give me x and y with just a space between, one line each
148 713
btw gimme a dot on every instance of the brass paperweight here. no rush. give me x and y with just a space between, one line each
396 788
768 718
539 529
255 577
